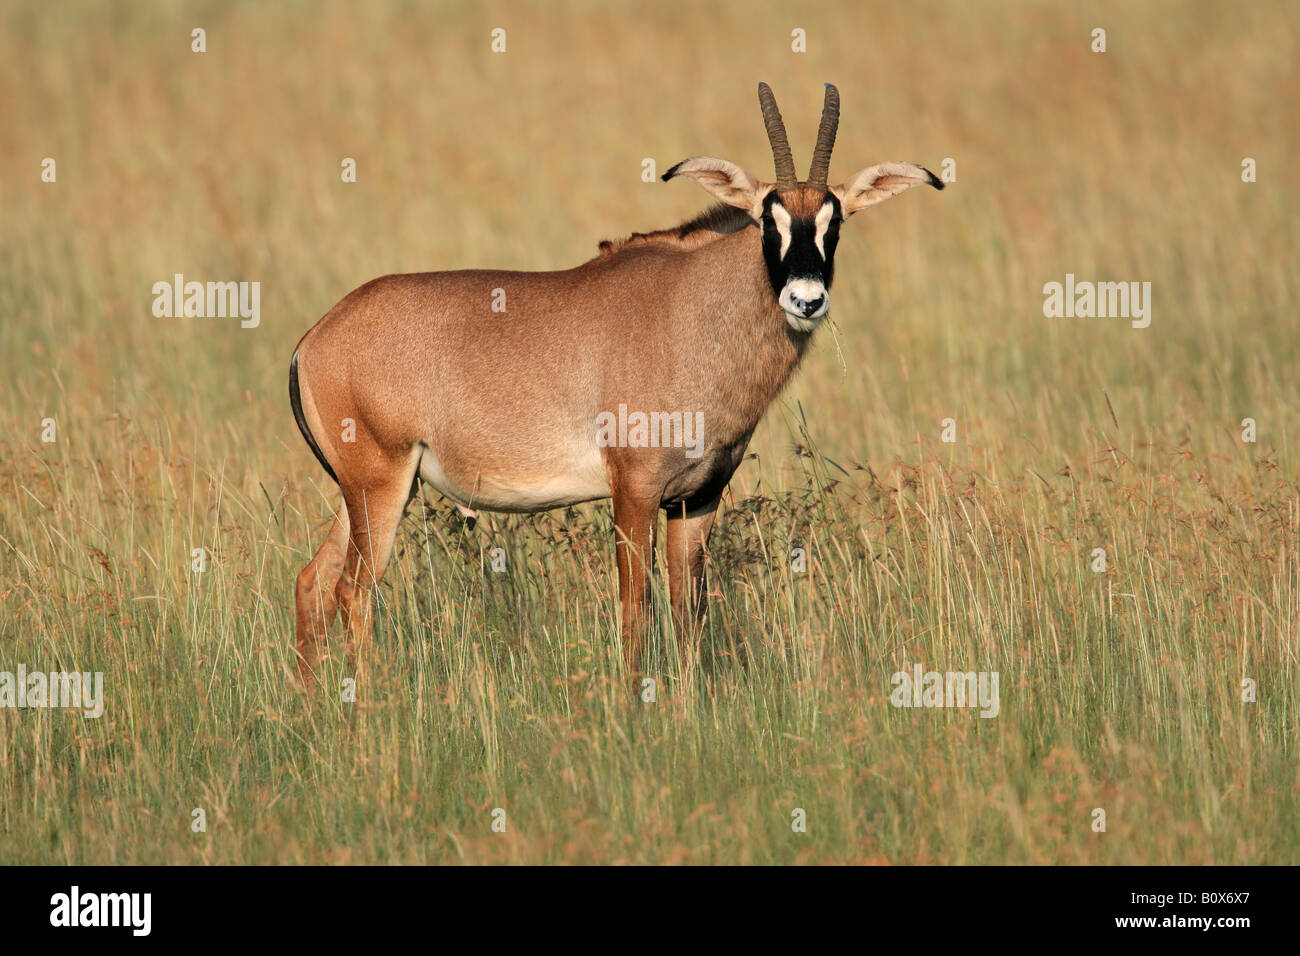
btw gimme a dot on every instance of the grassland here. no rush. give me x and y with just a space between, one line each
1119 691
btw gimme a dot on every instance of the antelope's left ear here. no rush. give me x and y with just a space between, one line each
725 180
880 182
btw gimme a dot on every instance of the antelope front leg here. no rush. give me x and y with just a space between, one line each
688 534
634 526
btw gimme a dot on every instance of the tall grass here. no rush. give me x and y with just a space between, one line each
1119 690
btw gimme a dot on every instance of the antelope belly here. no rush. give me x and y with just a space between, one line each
552 485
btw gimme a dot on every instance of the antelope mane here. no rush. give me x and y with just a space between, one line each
715 222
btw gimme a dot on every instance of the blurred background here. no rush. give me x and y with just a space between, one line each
226 165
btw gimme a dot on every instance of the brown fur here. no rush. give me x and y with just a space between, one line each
421 361
802 202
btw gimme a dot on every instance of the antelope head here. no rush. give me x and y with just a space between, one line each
800 219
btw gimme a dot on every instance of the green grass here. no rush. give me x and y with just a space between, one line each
1119 691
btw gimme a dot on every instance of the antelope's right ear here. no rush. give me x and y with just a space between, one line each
727 181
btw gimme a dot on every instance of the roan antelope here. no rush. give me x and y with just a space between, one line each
418 377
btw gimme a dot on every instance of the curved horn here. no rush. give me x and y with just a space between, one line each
781 156
821 161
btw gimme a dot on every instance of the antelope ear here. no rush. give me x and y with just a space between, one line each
727 181
880 182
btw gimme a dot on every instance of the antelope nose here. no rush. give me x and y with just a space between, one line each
809 306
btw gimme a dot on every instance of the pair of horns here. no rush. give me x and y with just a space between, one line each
821 161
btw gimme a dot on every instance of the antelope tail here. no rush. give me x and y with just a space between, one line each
295 399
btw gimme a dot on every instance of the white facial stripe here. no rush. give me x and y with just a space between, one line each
823 223
782 219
